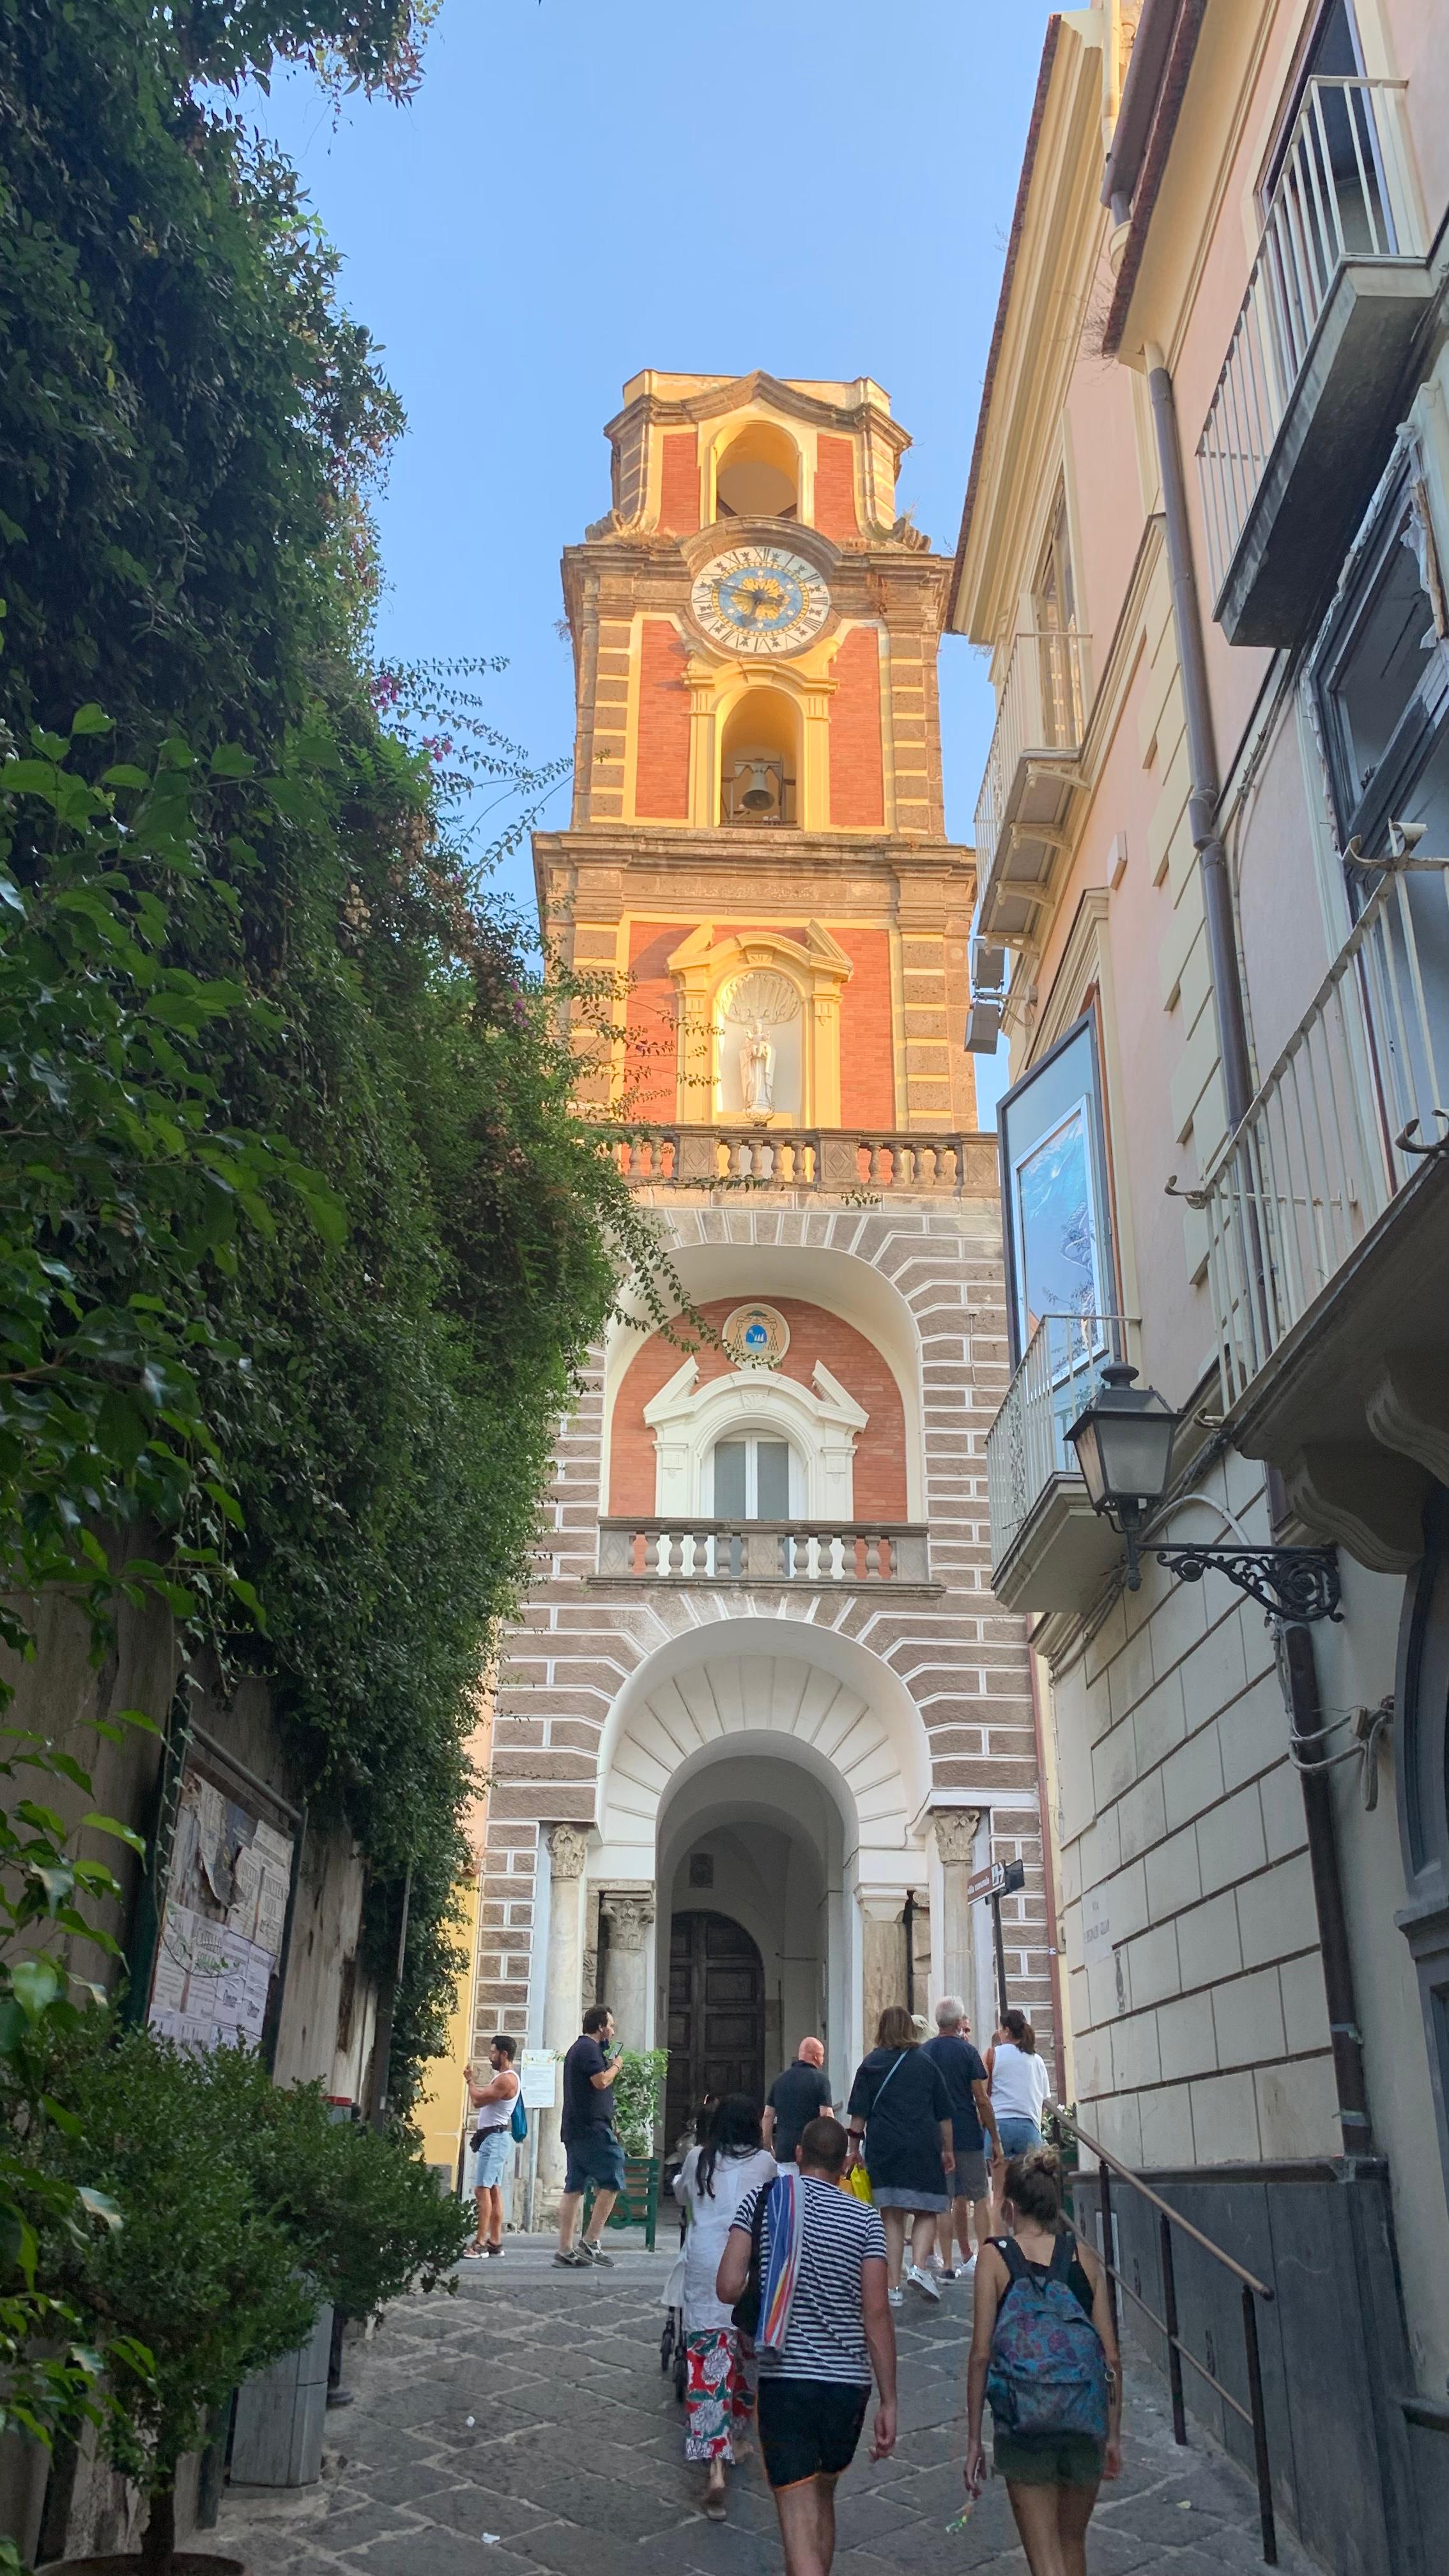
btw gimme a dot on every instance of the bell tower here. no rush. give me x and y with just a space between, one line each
760 1726
757 854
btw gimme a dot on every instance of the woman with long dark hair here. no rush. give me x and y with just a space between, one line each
719 2400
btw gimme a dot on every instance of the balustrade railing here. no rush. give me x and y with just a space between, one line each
1344 192
803 1158
1027 1445
1042 708
814 1553
1339 1126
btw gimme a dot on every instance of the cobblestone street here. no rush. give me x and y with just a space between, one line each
525 2426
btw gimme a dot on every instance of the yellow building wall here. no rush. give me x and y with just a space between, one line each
442 2102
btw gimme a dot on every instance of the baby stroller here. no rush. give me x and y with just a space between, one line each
672 2354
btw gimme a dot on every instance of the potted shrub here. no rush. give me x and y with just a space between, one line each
197 2270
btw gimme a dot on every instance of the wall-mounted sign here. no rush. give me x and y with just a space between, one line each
1096 1927
538 2079
756 1337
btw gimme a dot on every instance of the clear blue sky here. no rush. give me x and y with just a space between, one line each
587 187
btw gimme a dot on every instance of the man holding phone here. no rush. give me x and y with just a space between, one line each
590 2072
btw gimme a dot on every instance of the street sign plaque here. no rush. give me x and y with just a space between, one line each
1001 1879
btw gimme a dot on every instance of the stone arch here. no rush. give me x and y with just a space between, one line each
772 1687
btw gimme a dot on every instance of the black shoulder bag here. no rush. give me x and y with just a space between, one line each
746 2310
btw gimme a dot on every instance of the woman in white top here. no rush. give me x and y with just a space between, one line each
1020 2085
714 2179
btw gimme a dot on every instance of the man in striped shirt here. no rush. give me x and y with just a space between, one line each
815 2389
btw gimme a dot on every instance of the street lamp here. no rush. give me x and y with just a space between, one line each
1123 1442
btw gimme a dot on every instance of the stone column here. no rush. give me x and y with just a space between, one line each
567 1851
955 1830
882 1957
630 1920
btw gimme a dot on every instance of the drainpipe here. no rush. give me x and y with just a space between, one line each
1298 1673
1217 893
1296 1661
1049 1882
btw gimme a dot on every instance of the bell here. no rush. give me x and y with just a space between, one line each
761 793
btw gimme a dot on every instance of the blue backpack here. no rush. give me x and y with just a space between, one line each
1048 2371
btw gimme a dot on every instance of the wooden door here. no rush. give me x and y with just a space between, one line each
716 2015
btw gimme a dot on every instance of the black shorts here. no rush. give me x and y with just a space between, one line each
1048 2459
809 2427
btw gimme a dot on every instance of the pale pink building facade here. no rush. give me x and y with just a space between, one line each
1206 542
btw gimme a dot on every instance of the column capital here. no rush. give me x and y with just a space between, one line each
955 1829
628 1919
568 1849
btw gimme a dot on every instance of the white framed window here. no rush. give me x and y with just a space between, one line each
754 1476
740 1447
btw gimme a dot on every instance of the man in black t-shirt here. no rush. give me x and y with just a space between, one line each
972 2116
800 2094
595 2156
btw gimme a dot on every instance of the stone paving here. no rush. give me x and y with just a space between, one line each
523 2428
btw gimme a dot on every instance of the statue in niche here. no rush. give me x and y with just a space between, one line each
759 1002
757 1072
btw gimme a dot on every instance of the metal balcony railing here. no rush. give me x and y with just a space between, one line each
1329 1139
1027 1447
808 1553
1344 193
804 1158
1041 712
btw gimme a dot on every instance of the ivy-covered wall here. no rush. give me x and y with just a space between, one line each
370 1324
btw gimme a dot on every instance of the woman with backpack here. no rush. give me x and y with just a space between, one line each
712 2182
1044 2354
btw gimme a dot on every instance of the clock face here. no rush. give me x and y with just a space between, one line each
759 599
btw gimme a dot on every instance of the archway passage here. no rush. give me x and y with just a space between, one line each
716 2014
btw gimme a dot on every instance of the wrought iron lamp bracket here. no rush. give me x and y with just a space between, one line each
1436 1146
1295 1583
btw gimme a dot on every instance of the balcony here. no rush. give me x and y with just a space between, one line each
1030 773
1049 1549
1309 387
1328 1233
838 1556
844 1160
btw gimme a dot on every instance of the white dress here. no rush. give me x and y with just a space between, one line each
711 2215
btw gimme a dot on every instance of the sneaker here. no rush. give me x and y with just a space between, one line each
895 2298
590 2256
923 2282
495 2252
572 2262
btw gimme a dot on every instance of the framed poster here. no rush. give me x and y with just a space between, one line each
221 1939
1058 1239
1056 1223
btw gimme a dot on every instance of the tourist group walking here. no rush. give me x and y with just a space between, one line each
803 2233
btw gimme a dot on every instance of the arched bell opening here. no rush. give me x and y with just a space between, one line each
760 760
758 475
